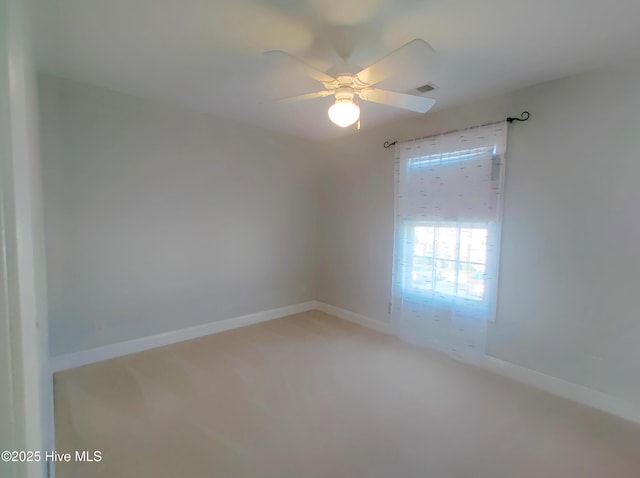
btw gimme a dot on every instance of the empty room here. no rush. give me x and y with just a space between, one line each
319 239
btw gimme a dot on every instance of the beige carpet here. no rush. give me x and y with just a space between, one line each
312 396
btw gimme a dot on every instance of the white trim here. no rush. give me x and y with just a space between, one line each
377 325
85 357
563 388
556 386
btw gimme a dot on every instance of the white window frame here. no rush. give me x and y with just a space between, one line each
439 298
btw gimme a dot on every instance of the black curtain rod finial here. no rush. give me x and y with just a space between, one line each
523 117
387 144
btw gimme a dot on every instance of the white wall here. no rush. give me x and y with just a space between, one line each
26 398
570 266
159 218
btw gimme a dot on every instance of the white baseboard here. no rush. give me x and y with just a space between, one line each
556 386
563 388
85 357
377 325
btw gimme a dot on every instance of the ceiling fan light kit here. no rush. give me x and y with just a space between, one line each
346 87
344 112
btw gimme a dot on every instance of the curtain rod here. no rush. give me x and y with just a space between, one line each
524 116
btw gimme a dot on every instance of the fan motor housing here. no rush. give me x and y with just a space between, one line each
347 80
344 93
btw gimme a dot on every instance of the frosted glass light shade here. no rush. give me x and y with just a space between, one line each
344 113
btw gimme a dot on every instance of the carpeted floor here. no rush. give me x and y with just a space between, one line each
312 396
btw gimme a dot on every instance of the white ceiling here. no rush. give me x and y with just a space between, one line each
206 54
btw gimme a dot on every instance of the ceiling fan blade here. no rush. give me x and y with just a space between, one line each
308 96
406 61
292 61
419 104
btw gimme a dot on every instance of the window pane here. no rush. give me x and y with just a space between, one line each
470 281
423 241
445 280
473 245
422 273
447 243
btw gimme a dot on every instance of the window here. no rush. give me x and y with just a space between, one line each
447 259
447 237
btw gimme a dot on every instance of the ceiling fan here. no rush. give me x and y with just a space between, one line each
348 87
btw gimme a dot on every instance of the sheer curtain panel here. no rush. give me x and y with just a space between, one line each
447 238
